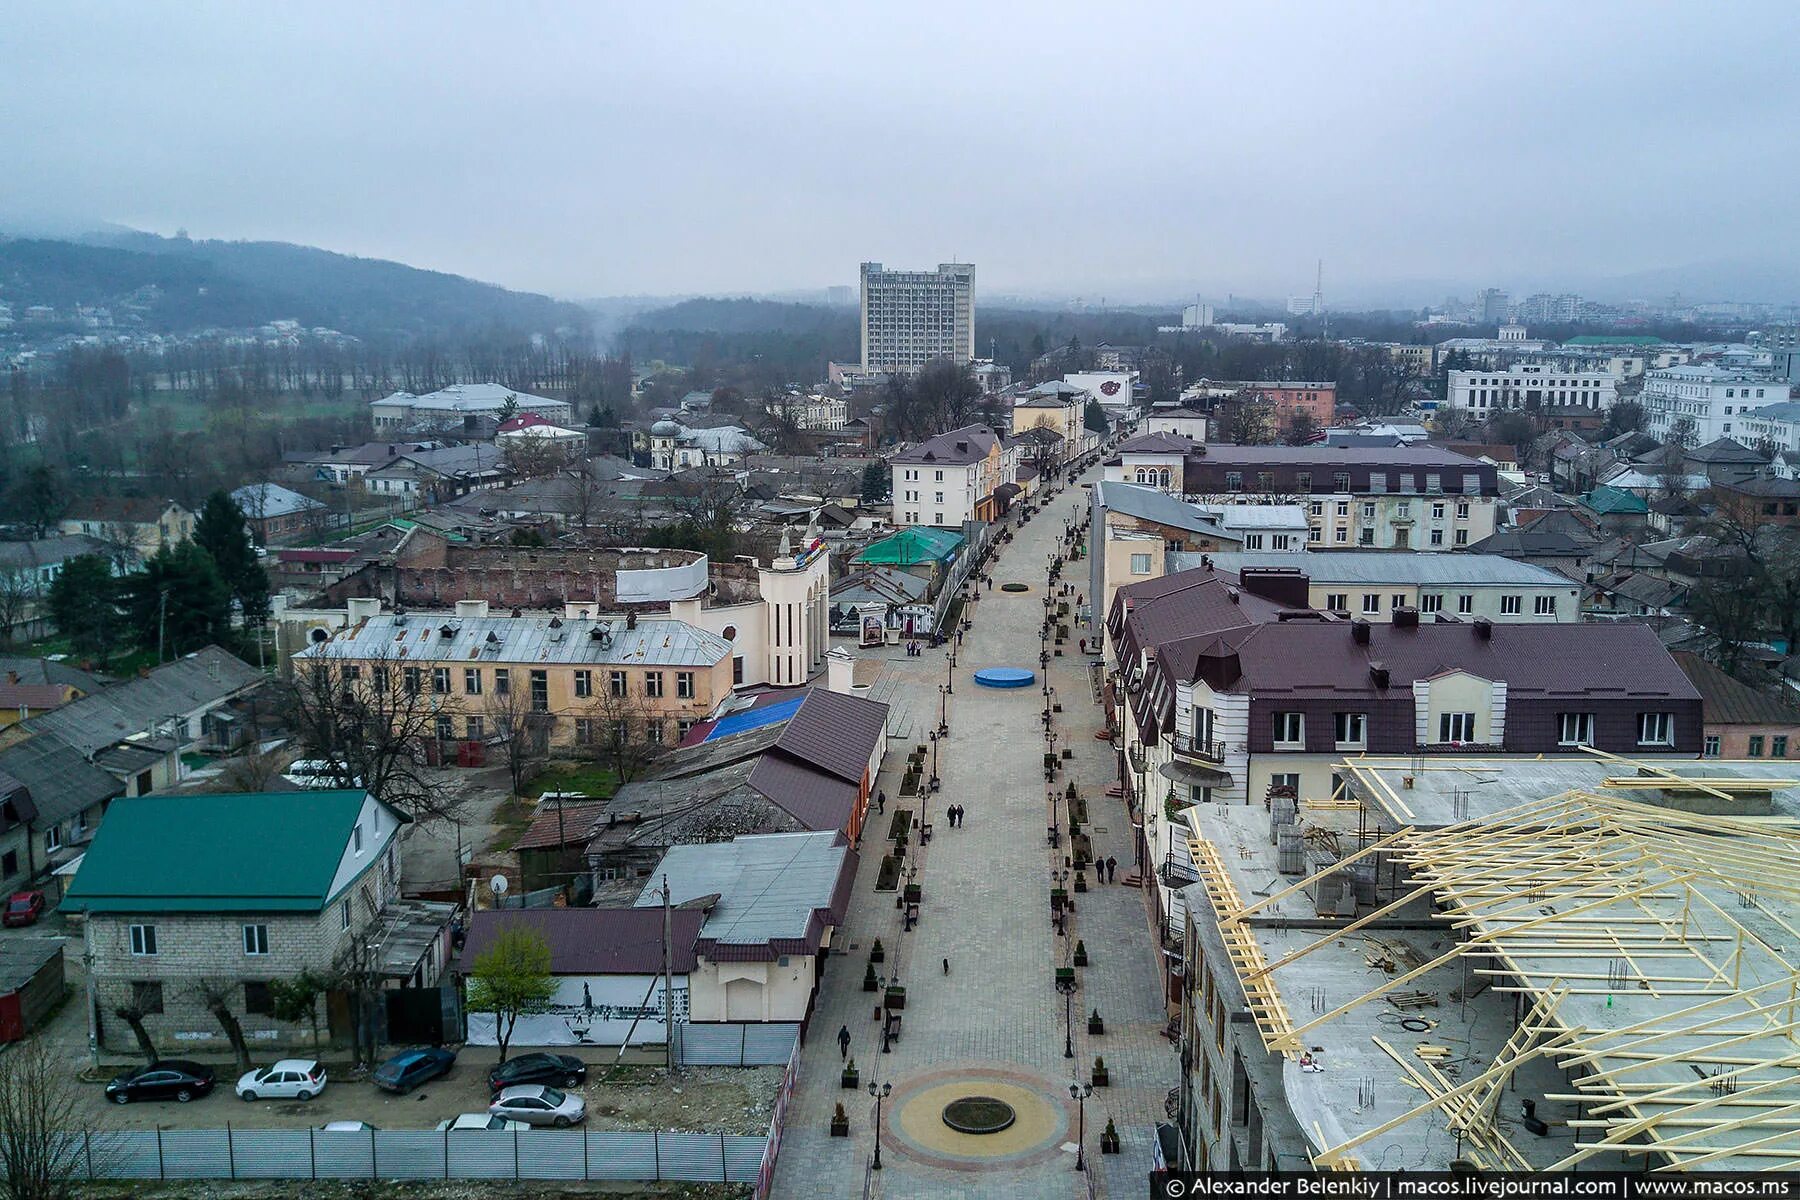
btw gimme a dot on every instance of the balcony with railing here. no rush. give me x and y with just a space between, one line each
1194 749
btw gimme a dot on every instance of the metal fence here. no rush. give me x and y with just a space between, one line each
421 1154
766 1044
765 1179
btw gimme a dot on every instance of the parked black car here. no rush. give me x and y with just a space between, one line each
554 1070
409 1068
169 1079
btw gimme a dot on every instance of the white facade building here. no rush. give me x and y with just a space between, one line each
1111 388
1706 402
452 407
1531 384
1776 427
910 318
949 479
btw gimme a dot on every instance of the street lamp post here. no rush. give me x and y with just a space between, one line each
1079 1092
1067 988
950 671
943 712
880 1093
934 771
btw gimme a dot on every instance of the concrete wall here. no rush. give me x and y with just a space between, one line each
752 991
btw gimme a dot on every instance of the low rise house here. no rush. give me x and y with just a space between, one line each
607 967
459 407
430 476
772 903
1741 721
273 511
781 764
197 901
65 797
27 569
136 526
21 701
950 479
1377 585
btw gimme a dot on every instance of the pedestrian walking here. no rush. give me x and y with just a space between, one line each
1112 869
844 1042
880 802
946 966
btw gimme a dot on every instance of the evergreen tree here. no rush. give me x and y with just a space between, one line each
179 602
83 601
223 533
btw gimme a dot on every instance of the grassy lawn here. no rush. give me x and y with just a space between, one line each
590 779
119 664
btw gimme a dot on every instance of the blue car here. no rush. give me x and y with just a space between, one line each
408 1069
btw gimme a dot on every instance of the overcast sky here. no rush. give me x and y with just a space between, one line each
1114 150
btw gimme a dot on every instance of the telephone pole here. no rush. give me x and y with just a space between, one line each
668 981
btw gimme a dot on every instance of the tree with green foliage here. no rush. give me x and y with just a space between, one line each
1093 417
84 602
294 1000
1625 416
510 979
222 532
179 602
39 497
877 482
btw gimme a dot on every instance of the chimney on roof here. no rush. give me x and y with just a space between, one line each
1406 618
1237 597
1206 562
631 619
1359 632
12 677
469 610
1484 629
1378 672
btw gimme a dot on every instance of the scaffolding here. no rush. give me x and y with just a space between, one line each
1650 950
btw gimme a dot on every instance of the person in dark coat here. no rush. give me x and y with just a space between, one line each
881 802
1112 869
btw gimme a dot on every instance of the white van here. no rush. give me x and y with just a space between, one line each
316 774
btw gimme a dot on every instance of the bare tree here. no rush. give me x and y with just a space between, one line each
18 589
622 737
250 772
532 456
374 719
133 1013
522 733
42 1157
216 995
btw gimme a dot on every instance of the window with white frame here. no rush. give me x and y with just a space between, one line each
1656 729
1431 602
1337 602
1509 606
1710 748
256 939
1575 729
1140 564
1350 730
1371 602
143 940
1456 727
1289 729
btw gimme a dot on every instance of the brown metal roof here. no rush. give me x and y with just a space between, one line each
570 827
594 941
817 800
836 732
1726 701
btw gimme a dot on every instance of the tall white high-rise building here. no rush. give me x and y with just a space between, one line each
912 317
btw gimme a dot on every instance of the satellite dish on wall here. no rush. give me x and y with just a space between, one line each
498 884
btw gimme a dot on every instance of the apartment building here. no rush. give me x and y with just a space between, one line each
1533 386
1365 498
950 479
580 682
910 318
1376 586
1702 402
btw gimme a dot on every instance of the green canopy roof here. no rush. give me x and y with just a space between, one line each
915 544
1605 499
223 852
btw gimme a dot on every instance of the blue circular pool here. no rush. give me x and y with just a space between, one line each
1005 677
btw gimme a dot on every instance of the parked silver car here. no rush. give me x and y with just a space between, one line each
535 1104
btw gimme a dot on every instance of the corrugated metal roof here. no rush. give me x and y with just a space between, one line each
90 724
1376 566
594 941
524 640
769 885
836 732
1148 504
218 852
753 718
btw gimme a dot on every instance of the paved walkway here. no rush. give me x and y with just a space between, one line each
994 1026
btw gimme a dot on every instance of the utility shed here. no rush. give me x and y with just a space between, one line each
31 984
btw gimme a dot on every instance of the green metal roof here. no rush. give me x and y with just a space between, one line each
916 544
1605 499
225 852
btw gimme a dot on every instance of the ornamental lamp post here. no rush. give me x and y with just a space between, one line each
1079 1092
880 1093
1067 988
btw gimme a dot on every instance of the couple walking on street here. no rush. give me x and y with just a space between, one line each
955 813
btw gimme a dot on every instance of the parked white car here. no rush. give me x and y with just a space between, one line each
289 1079
316 774
480 1121
535 1104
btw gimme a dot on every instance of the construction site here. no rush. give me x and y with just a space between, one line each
1559 963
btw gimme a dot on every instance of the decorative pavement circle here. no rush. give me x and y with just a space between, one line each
1015 587
917 1125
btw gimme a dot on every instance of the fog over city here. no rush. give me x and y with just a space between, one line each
1135 152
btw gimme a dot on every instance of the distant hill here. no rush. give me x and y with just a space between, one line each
203 284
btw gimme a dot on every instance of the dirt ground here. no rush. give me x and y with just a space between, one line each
306 1189
701 1099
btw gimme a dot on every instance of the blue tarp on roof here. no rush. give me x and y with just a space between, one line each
754 718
